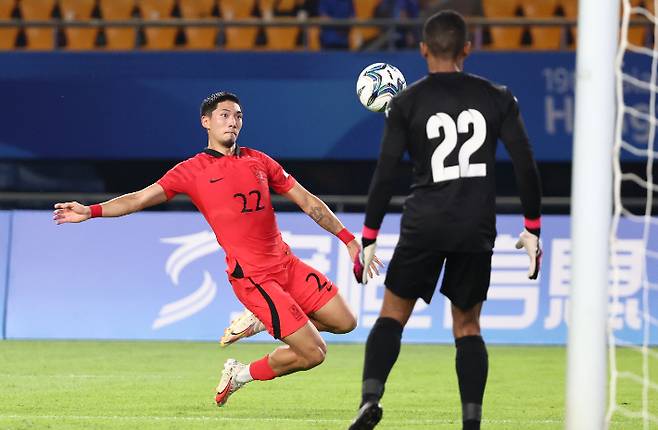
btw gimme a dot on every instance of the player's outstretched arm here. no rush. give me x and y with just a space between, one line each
321 214
74 212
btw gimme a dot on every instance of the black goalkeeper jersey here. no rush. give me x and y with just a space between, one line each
450 123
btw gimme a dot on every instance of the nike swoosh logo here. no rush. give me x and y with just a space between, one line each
212 181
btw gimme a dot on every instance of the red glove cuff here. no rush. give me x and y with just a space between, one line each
369 233
532 224
96 211
345 236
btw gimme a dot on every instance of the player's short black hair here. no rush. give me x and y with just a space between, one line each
210 103
445 34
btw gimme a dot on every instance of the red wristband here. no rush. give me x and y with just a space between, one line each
96 211
345 236
532 223
369 233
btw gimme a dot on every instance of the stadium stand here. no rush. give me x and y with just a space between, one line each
78 38
7 34
265 37
238 38
570 9
118 38
543 37
637 35
279 38
363 10
158 38
199 37
503 37
38 38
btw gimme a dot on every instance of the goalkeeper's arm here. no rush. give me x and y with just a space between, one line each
379 195
515 138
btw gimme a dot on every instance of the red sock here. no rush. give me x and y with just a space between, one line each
261 370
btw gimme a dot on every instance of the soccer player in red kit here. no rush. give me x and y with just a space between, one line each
230 187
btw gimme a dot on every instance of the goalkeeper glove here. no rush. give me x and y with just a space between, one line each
363 260
532 246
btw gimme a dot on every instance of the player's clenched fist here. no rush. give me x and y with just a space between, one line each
71 212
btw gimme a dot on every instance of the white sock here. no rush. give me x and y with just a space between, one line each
244 375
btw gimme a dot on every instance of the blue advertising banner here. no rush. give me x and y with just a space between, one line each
161 276
5 239
296 105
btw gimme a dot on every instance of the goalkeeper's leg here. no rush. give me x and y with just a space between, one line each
382 349
471 363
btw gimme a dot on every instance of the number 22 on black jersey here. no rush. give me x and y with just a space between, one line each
465 169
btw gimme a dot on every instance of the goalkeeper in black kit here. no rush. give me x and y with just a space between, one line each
449 122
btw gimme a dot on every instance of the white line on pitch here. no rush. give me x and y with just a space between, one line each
269 419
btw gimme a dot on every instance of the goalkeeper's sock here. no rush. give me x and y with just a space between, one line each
472 367
382 349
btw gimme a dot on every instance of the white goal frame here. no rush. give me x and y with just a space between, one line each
591 213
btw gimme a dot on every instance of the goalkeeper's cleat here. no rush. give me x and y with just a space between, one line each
369 415
244 325
228 384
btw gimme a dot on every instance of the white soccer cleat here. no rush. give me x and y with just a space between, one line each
244 325
228 383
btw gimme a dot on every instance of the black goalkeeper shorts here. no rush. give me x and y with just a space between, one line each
413 273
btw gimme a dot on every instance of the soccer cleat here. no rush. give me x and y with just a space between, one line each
228 383
368 417
244 325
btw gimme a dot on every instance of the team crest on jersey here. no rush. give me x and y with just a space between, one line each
261 176
296 312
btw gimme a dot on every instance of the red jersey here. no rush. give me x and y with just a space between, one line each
233 194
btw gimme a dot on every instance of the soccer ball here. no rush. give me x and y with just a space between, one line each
378 84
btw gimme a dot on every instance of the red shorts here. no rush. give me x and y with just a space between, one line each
282 300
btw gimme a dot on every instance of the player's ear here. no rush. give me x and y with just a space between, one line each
424 52
205 122
467 49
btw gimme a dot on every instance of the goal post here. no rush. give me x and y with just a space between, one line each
591 206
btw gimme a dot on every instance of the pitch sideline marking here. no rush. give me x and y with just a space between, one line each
303 420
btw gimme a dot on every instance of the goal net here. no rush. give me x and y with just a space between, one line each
633 312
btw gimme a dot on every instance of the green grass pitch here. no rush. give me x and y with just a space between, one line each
170 385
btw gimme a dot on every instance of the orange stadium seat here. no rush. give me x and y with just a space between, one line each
313 42
76 37
238 38
158 37
279 38
637 34
7 34
198 37
38 38
543 37
118 38
570 8
363 9
503 37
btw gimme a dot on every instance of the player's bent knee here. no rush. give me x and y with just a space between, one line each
347 324
315 357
